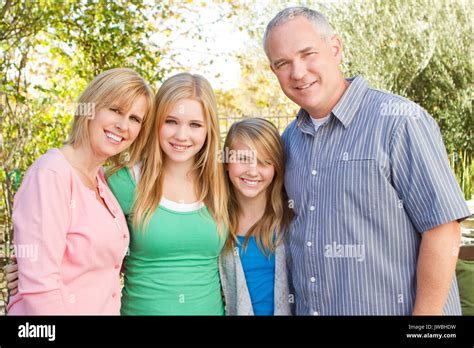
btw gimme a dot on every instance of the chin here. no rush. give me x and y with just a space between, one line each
178 159
250 194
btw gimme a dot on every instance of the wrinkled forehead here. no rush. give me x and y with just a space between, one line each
293 36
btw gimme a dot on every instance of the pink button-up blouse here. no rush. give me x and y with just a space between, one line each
69 247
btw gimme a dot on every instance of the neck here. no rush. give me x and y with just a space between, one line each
178 170
339 91
252 208
84 159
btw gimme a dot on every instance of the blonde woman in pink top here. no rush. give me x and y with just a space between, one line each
68 225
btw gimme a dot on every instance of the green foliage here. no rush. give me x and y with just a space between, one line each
105 34
463 167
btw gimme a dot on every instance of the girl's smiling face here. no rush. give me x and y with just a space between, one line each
250 174
184 131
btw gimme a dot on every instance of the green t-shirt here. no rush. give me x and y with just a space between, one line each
172 267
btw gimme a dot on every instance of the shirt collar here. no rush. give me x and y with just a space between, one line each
345 109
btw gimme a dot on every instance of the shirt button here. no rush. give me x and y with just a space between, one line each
309 243
315 313
313 279
117 266
124 236
312 208
114 294
314 172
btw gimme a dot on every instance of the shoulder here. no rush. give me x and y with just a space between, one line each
123 188
50 176
393 106
289 131
51 166
394 112
120 177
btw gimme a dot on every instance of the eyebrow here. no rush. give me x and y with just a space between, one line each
304 50
121 109
176 118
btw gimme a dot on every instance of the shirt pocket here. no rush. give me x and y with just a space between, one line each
355 186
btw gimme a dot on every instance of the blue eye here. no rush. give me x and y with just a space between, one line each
195 125
170 122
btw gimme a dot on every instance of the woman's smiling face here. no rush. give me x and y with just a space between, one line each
113 129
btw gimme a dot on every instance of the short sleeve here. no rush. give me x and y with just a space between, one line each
41 217
422 176
123 188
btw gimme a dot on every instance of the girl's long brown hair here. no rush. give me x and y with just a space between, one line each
263 137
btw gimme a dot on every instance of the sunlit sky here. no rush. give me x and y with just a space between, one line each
214 57
224 39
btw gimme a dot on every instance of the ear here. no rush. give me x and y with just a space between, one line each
272 68
335 45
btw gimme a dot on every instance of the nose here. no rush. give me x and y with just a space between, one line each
181 133
122 124
298 70
252 168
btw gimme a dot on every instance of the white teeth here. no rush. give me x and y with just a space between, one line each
113 137
306 86
177 147
250 182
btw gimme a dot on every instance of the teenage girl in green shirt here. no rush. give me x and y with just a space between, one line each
172 190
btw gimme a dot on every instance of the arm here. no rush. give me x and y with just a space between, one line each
434 203
435 269
41 216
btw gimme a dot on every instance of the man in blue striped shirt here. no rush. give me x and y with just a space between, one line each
377 207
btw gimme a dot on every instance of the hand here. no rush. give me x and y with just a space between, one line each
11 272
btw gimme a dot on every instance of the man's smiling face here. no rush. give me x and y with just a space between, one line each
306 65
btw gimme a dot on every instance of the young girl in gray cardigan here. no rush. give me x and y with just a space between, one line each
253 265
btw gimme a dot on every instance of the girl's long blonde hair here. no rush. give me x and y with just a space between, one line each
263 137
210 173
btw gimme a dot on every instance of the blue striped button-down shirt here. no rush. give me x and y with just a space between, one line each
364 186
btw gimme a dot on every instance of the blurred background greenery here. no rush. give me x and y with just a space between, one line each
49 50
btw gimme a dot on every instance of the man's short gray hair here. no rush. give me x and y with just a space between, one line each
317 18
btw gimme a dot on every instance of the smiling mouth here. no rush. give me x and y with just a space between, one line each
306 85
180 147
114 137
250 182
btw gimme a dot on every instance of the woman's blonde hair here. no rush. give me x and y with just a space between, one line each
211 187
119 85
263 138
